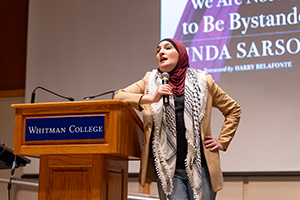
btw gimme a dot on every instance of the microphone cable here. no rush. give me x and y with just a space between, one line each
9 185
3 149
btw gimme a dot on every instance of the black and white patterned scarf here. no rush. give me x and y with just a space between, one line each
164 143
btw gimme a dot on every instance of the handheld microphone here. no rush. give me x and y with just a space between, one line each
39 87
98 95
165 80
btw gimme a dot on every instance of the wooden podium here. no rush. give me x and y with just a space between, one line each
82 168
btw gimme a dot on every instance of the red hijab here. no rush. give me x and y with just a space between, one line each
177 75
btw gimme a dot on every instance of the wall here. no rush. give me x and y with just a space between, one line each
81 48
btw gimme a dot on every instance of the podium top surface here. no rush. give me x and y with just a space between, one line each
70 103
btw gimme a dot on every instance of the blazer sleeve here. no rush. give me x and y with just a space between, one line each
230 110
133 93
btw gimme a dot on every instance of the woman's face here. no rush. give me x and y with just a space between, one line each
166 56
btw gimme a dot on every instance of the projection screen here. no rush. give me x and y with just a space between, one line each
251 48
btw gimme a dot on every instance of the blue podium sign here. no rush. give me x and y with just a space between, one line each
64 128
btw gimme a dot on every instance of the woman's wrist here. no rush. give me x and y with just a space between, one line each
146 99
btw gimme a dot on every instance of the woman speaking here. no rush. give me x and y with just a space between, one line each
178 150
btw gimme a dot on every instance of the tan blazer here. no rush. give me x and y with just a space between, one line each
216 98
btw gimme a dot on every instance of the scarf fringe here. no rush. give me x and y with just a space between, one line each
160 164
193 130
